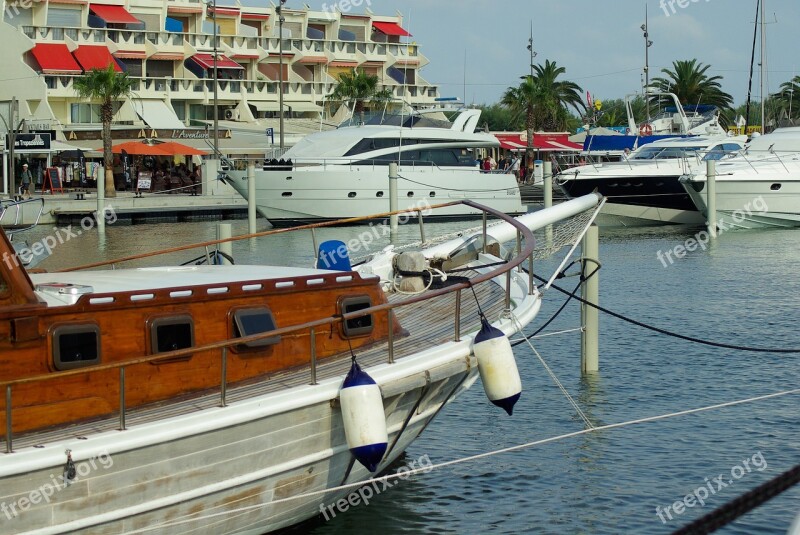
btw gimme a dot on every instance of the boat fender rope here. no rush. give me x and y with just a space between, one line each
69 469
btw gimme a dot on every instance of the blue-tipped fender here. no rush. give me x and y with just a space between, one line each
497 367
364 417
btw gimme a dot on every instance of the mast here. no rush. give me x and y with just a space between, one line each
763 68
752 61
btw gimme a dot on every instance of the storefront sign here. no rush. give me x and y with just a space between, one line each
30 142
141 133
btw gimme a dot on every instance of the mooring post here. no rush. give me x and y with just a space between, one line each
547 187
590 291
393 176
224 232
711 203
251 197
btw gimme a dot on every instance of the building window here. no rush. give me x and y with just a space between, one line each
250 321
171 333
82 113
360 326
179 106
75 346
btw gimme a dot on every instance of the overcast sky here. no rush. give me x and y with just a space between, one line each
599 42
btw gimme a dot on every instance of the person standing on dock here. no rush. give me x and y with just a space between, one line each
25 178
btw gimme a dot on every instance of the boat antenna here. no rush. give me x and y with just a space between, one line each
752 62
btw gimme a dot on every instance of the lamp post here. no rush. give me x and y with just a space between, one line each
529 148
647 44
281 20
216 96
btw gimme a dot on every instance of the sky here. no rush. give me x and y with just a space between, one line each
599 42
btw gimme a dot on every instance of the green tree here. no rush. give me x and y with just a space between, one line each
543 101
689 81
498 118
614 113
787 100
357 88
109 87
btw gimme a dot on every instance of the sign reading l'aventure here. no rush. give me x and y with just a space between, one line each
142 133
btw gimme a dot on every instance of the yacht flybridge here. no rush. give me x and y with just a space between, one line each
345 172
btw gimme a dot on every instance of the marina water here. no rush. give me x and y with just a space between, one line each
741 290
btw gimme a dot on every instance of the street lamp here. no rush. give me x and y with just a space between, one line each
216 80
281 20
531 50
647 44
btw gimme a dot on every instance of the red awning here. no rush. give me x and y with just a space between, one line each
390 28
348 64
113 14
313 59
95 57
542 142
255 16
225 11
54 58
223 62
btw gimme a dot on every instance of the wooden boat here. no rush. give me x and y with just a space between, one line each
207 398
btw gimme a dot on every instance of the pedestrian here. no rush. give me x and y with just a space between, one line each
492 163
515 167
487 165
26 177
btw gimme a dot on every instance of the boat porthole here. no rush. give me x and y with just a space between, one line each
410 194
379 194
286 194
775 187
432 194
352 194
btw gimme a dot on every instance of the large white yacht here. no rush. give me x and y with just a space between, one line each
759 188
644 188
345 172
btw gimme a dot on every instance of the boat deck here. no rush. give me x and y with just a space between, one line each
428 324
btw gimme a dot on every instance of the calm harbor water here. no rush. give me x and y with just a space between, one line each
741 290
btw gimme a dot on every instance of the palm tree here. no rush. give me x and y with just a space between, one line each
109 87
543 101
356 88
788 98
689 81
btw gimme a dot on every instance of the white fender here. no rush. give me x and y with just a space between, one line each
364 418
497 367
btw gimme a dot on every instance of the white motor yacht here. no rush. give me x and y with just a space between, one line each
345 172
758 188
644 188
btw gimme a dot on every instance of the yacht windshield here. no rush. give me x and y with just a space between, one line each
664 153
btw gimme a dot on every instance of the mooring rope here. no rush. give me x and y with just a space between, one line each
727 513
554 377
407 473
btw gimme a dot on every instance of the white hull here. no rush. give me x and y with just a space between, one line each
626 215
321 193
751 204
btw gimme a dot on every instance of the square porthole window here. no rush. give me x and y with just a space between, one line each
360 326
171 333
250 321
76 346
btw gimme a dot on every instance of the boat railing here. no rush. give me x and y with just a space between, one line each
18 207
334 163
524 251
